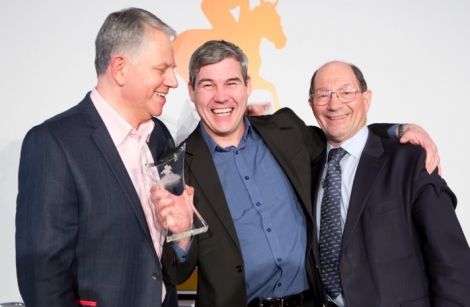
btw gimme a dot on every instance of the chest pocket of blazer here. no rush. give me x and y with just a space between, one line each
387 232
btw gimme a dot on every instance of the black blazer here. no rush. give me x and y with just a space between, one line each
402 243
81 233
217 253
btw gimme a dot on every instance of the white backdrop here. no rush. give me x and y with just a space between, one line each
414 54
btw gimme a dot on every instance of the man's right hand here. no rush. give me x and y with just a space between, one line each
174 212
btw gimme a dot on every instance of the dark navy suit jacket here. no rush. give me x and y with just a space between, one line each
402 243
81 233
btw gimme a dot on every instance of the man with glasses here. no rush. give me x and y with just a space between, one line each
252 184
387 233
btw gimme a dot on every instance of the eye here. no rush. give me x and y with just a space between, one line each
348 92
233 83
206 85
161 69
322 94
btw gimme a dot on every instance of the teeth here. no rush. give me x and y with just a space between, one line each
222 111
159 94
336 117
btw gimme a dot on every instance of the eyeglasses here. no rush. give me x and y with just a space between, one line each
345 94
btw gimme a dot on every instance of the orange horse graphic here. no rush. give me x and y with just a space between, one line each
247 32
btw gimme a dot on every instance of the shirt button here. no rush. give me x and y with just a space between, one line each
239 268
236 152
279 259
258 204
279 284
155 276
247 177
268 229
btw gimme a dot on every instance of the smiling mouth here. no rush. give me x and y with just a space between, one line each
337 117
159 94
224 111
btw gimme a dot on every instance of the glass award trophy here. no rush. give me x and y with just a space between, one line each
169 174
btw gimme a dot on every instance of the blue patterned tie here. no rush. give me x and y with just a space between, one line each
330 225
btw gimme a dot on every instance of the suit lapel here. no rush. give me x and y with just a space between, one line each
317 171
369 166
106 146
202 169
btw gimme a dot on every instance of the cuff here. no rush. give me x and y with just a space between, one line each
181 254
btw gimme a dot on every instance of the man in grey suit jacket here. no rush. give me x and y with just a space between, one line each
85 231
400 243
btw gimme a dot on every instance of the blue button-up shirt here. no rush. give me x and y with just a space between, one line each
268 218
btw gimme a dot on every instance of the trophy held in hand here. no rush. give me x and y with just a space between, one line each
169 174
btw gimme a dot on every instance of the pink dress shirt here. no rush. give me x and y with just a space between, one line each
132 146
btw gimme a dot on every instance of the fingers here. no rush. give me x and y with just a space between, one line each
162 201
189 190
165 217
157 193
405 138
432 154
431 162
414 134
172 212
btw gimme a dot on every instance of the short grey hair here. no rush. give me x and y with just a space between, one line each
124 31
215 51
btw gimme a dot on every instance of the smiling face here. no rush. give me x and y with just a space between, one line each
340 121
220 96
148 77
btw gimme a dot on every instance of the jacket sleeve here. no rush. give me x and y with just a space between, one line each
443 243
382 130
46 222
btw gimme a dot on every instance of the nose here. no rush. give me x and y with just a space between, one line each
170 79
220 94
334 102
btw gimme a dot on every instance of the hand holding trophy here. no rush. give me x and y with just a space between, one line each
174 205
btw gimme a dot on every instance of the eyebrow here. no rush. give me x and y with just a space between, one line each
349 84
165 65
233 79
212 80
205 80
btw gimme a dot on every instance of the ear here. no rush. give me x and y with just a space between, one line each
248 86
191 92
118 67
310 102
367 99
